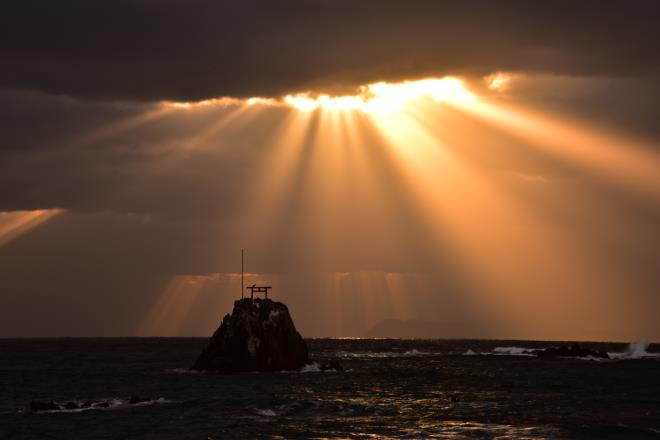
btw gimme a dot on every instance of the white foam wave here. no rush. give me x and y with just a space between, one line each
636 350
151 402
314 367
388 354
512 351
103 404
265 412
414 353
183 371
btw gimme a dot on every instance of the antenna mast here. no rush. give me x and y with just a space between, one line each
241 273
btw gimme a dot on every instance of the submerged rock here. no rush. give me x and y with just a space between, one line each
259 335
332 365
71 405
37 406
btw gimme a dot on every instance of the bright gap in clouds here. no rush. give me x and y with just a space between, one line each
371 98
385 97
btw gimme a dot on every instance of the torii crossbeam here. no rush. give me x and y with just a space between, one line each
258 289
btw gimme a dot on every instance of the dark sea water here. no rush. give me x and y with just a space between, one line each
391 389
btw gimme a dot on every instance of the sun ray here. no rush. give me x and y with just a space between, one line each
189 299
170 311
229 116
118 127
13 224
624 160
397 146
459 198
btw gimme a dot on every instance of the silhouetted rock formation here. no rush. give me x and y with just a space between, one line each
259 335
574 350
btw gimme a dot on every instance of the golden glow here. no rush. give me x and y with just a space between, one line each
13 224
223 102
261 101
385 97
302 102
371 98
189 304
468 177
499 81
624 160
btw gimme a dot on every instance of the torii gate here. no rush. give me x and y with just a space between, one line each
258 289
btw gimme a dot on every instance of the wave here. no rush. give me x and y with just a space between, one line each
635 350
387 354
183 371
513 351
519 352
75 406
314 367
265 412
501 351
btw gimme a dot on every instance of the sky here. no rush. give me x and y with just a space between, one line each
493 168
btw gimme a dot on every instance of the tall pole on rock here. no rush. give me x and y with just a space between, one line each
242 273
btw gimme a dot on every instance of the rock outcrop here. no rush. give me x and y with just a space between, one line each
259 335
574 350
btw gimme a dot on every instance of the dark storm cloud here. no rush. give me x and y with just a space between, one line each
95 156
189 50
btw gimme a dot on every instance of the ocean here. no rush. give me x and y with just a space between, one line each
390 389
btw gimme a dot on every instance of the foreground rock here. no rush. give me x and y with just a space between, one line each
574 350
259 335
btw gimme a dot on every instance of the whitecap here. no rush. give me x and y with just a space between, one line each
635 350
104 404
387 354
265 412
512 351
414 353
314 367
182 371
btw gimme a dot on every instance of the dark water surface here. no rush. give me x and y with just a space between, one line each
393 388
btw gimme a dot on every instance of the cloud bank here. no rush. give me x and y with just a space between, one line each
193 50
